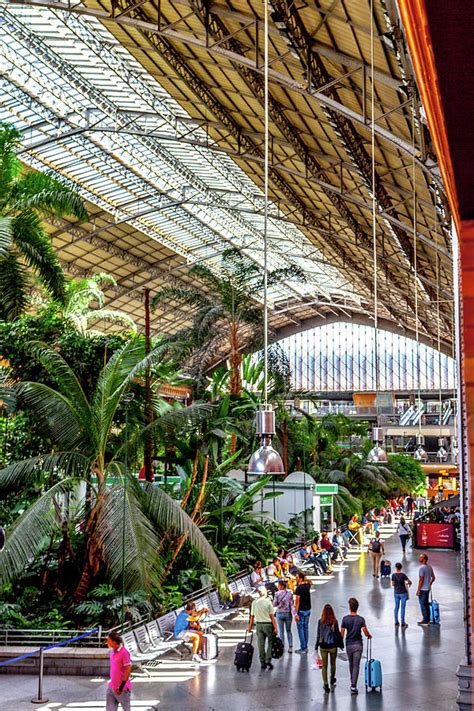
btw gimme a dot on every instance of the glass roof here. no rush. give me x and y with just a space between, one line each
91 113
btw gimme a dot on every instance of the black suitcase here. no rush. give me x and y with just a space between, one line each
244 655
277 647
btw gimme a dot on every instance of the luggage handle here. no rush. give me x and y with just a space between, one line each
369 648
251 636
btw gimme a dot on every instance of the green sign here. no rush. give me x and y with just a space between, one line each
326 489
325 500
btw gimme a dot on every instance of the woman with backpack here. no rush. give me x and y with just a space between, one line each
283 604
328 640
403 532
376 549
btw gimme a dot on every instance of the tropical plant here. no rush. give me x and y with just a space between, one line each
81 293
239 534
122 521
226 315
409 471
369 483
25 197
104 603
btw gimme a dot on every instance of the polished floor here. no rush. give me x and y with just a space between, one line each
419 664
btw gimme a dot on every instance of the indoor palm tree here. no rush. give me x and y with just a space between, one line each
25 198
226 311
123 521
81 293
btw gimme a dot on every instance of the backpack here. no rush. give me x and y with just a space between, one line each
328 635
375 546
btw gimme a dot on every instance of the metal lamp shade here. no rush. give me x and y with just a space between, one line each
420 454
266 460
377 454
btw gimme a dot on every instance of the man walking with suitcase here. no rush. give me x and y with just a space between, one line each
262 613
425 581
352 626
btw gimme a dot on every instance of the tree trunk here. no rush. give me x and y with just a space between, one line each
180 541
93 555
285 446
235 359
192 482
148 447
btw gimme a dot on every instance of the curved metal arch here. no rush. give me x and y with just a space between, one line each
362 320
287 82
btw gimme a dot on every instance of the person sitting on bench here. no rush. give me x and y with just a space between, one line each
188 629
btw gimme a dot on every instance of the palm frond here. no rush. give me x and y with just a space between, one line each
22 473
186 296
35 245
10 166
65 378
168 516
207 276
29 531
43 192
112 317
13 287
68 427
5 236
139 554
169 423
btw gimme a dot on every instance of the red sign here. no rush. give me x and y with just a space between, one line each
435 535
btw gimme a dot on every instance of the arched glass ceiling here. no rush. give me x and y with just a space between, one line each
90 113
341 357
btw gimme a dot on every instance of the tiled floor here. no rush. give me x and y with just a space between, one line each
419 664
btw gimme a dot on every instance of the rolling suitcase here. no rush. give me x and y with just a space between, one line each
373 671
244 654
210 646
385 568
435 617
277 647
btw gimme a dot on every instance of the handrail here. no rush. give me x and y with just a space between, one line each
39 698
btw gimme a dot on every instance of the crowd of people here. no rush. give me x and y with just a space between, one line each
283 596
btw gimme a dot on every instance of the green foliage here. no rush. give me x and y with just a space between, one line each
103 606
238 533
81 293
24 244
85 354
223 312
81 430
409 471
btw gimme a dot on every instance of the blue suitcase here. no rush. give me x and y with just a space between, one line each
373 671
435 618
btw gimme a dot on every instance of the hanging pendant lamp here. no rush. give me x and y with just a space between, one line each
420 453
377 453
265 460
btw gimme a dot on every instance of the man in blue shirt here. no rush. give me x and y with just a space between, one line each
187 627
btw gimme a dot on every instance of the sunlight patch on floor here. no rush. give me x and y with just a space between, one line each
139 705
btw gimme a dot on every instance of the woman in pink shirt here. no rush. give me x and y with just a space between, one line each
120 687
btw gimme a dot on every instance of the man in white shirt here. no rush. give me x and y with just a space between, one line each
263 614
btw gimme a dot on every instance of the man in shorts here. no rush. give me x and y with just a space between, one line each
187 629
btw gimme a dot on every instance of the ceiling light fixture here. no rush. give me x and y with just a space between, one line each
265 460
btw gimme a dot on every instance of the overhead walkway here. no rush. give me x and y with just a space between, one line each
419 664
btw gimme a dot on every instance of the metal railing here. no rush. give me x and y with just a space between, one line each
38 637
40 652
